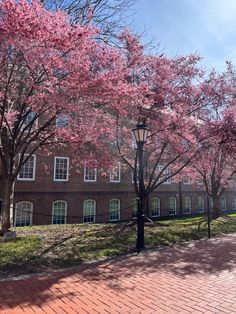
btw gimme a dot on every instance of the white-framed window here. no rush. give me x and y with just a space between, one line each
59 212
156 207
223 203
90 174
167 173
186 180
62 121
199 181
133 143
89 211
233 202
172 205
23 214
200 204
114 209
61 168
115 174
187 205
164 175
27 172
211 202
30 120
135 208
132 177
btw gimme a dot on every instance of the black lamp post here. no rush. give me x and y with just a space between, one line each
140 133
180 198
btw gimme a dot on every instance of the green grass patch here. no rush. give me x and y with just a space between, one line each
232 215
18 251
56 246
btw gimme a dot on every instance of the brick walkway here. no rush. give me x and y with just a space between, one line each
195 278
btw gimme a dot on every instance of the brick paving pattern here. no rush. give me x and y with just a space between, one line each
196 278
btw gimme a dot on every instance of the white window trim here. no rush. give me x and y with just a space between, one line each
188 182
200 181
114 199
167 172
95 180
225 202
158 198
132 177
34 170
31 214
116 181
67 173
135 204
233 202
65 209
201 210
190 203
167 182
175 206
95 210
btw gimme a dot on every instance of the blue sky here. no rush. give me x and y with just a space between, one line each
184 26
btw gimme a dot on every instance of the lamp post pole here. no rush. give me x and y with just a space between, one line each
180 198
140 133
141 202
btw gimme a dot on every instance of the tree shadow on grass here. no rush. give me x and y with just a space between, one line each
197 258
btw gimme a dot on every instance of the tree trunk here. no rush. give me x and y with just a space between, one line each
7 204
216 207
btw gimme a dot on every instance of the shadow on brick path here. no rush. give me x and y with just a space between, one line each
204 264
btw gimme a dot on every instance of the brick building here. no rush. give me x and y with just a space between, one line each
49 190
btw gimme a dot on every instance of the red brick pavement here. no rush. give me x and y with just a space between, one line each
196 278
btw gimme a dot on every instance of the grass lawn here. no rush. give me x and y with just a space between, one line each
55 246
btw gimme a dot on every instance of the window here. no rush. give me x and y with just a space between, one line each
132 175
90 174
133 143
115 174
186 180
23 214
27 171
187 205
199 181
62 121
223 203
89 211
135 208
61 168
172 206
167 173
156 204
114 209
30 120
59 209
211 203
164 174
200 204
234 202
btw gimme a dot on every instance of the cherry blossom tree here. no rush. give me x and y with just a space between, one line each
49 70
217 169
216 165
169 109
110 16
